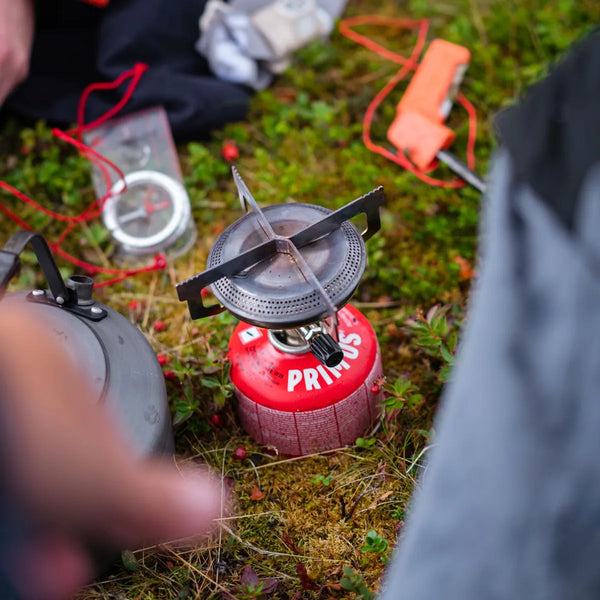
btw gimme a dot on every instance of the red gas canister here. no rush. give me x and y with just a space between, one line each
295 403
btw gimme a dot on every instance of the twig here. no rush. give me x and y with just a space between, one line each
222 510
149 296
296 458
417 458
101 255
256 548
194 568
360 497
255 472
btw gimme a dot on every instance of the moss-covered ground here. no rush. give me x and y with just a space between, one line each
323 525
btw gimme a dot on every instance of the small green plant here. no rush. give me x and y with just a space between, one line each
130 562
220 386
353 582
184 406
251 586
183 369
398 513
203 168
322 479
437 335
376 544
401 393
365 442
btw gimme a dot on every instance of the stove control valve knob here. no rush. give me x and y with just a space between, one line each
326 350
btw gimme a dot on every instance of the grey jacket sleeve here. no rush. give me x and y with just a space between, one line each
509 506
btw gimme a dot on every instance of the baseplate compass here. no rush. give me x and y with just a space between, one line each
150 215
287 267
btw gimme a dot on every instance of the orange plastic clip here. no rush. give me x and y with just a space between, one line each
418 129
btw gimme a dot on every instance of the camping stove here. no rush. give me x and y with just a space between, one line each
303 362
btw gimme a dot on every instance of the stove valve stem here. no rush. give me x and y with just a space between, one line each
322 345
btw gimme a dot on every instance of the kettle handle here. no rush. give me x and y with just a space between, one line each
10 262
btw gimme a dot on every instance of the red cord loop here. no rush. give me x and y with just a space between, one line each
135 73
94 210
160 261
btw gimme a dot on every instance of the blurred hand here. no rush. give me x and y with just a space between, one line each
71 475
16 39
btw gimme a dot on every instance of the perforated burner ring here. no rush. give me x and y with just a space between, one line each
274 293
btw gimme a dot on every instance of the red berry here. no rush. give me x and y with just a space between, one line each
170 375
239 453
216 420
159 326
375 389
230 151
135 305
162 359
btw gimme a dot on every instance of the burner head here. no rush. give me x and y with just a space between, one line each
273 293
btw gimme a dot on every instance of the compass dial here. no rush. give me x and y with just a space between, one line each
144 210
150 214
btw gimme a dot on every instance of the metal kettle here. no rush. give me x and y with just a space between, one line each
116 358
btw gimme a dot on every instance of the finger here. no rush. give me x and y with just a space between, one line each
16 39
161 505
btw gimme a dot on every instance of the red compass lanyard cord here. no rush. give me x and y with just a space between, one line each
104 165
